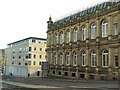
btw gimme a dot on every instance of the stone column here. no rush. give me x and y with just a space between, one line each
71 34
110 64
111 59
64 58
51 58
87 28
98 57
98 27
80 33
78 28
58 58
110 27
87 57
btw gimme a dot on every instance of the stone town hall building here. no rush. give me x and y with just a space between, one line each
86 45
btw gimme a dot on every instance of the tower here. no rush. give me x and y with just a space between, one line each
50 22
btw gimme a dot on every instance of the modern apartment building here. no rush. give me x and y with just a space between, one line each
24 57
86 44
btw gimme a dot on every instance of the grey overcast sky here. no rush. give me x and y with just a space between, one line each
20 19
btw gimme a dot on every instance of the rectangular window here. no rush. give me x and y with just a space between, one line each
40 63
40 56
35 48
29 56
33 41
30 48
40 49
34 56
116 61
116 28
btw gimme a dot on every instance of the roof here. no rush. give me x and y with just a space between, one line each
85 11
27 39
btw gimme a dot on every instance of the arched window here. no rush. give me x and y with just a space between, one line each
61 38
75 35
93 31
74 58
61 58
105 58
68 36
67 58
55 39
83 58
105 28
93 59
55 59
84 33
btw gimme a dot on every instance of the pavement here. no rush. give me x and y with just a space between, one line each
56 84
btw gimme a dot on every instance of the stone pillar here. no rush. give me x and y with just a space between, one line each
77 73
71 34
87 28
86 74
80 33
58 58
87 57
98 27
78 28
51 58
97 74
110 28
110 74
110 60
98 57
78 58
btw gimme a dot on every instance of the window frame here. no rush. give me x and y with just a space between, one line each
67 58
93 62
105 28
93 31
83 58
84 32
105 58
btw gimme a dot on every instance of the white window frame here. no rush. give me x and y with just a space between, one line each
75 59
105 63
93 31
84 33
55 59
105 28
61 37
68 36
67 58
75 35
83 58
116 28
93 59
61 59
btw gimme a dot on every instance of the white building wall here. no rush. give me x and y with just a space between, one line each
16 71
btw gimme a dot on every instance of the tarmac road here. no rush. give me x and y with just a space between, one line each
36 83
